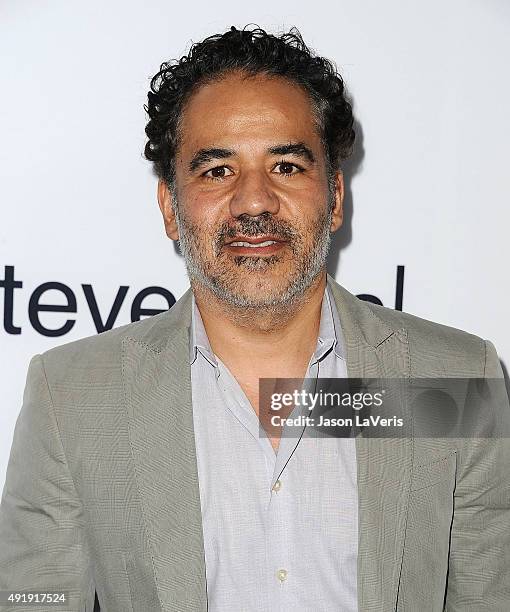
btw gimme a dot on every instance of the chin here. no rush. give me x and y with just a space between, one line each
257 294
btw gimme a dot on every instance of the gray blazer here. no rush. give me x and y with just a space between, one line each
102 490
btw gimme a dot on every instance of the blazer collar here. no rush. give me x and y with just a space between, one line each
356 317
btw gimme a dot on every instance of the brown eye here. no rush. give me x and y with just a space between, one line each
218 172
287 168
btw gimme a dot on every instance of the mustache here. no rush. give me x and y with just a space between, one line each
256 226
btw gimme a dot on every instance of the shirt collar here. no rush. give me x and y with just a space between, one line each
330 333
330 330
199 340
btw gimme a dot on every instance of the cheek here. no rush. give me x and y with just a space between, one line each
203 211
201 229
312 220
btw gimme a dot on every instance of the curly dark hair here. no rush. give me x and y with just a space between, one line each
252 51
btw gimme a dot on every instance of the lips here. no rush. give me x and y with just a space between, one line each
250 240
252 245
259 245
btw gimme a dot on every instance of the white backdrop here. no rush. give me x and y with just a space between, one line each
428 188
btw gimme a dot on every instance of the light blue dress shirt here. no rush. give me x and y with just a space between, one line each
280 528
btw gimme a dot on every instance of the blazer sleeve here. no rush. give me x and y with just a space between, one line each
479 566
42 544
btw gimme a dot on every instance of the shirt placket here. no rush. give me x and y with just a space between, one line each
279 542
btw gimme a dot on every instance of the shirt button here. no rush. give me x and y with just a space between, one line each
281 575
277 486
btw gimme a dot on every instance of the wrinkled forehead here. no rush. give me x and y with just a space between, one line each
248 110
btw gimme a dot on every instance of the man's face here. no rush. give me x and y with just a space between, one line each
250 170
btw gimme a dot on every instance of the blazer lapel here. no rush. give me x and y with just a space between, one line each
376 350
157 383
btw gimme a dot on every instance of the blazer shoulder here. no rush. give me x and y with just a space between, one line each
103 351
105 348
454 351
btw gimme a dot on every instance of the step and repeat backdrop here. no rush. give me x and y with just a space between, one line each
82 243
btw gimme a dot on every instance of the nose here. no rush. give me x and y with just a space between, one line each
254 195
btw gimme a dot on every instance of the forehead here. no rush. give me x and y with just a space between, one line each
239 110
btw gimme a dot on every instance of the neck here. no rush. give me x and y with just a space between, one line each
257 341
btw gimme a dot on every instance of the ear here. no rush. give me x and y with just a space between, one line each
338 209
165 205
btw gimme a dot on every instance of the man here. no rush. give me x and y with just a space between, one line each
138 470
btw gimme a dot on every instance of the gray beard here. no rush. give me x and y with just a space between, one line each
308 271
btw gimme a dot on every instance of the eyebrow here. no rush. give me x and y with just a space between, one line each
299 149
204 156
